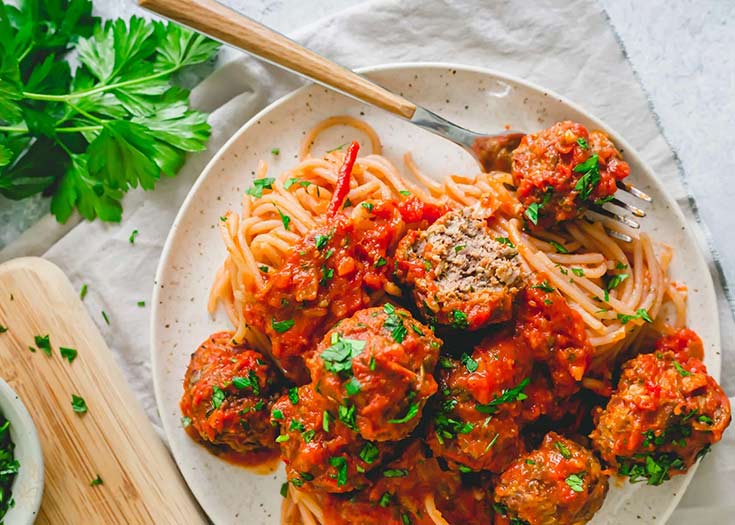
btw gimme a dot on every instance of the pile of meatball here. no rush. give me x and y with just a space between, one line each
473 395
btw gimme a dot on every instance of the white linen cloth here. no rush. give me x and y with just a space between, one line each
565 45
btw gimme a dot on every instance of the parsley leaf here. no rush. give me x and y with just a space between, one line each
338 357
544 286
582 143
117 122
340 463
505 240
394 323
575 482
459 320
44 343
413 410
558 247
69 354
256 190
218 397
78 404
507 396
591 178
531 212
468 362
282 326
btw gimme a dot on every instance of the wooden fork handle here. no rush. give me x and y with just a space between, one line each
226 25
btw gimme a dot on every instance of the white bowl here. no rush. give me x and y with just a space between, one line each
28 485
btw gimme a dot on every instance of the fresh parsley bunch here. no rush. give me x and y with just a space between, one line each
116 122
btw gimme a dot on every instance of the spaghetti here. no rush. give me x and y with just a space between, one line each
315 250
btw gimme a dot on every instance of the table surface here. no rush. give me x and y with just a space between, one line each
681 56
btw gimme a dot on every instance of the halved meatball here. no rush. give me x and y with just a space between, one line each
377 366
474 426
459 274
560 483
663 416
228 393
319 444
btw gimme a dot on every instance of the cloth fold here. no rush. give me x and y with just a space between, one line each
566 45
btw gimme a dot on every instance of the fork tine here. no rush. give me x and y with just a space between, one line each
629 188
615 216
618 235
632 209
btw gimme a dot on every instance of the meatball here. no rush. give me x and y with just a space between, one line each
560 483
410 490
556 336
663 416
228 393
459 274
319 444
563 168
378 365
474 427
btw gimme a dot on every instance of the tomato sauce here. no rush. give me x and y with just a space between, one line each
556 173
683 343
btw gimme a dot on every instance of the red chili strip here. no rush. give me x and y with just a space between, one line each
343 180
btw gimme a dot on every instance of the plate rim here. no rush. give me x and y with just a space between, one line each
161 266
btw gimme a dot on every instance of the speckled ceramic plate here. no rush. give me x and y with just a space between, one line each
478 99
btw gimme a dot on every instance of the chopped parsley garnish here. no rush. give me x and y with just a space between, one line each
290 182
104 316
705 419
613 283
293 395
505 240
603 200
395 473
185 421
141 304
256 190
250 382
276 151
405 518
372 363
446 363
394 323
3 329
582 143
367 205
352 386
458 248
532 212
563 450
282 438
530 462
579 272
78 404
346 414
296 425
70 354
590 178
132 237
96 481
284 490
575 482
544 287
43 342
321 240
308 436
285 219
413 410
465 469
558 247
385 499
338 357
340 463
468 362
83 292
325 421
641 313
620 266
218 397
417 330
223 218
380 262
277 414
654 468
369 453
507 396
405 193
459 320
683 372
282 326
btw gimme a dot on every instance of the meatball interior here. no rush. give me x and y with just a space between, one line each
228 392
377 365
460 275
664 415
319 444
560 483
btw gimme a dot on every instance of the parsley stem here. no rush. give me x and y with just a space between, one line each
99 89
89 116
76 129
12 129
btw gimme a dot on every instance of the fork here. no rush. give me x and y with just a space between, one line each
492 152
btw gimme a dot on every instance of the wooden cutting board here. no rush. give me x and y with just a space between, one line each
114 439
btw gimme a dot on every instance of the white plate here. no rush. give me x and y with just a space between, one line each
476 98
